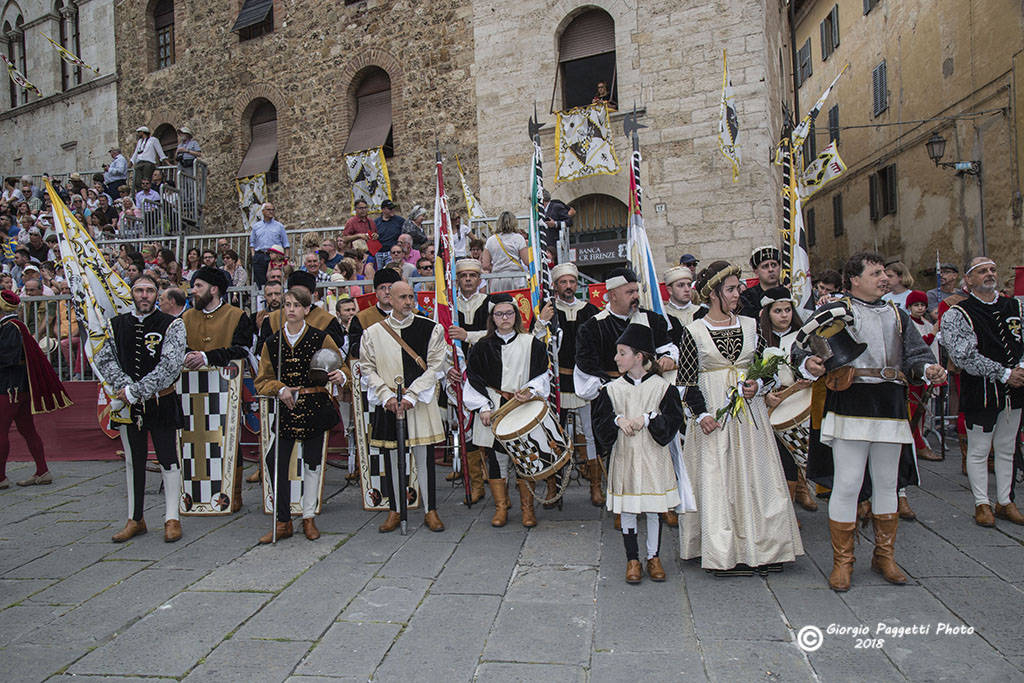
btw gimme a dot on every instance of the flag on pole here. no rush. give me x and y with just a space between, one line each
69 56
252 195
638 246
583 143
729 123
19 78
475 212
825 168
97 292
801 132
368 173
444 281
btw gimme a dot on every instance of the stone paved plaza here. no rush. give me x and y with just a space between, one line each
477 603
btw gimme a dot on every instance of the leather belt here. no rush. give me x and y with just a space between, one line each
564 371
888 374
166 392
311 390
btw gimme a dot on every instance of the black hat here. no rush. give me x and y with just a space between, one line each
762 254
827 335
637 337
501 298
300 278
775 294
213 276
386 276
618 277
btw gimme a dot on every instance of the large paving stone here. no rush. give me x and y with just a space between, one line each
62 562
17 621
509 672
242 660
265 567
554 584
419 557
993 607
674 665
88 583
753 613
13 591
1003 560
387 600
923 553
484 560
173 638
29 663
420 654
536 632
350 649
748 660
569 543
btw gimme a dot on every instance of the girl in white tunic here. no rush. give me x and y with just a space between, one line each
744 519
635 417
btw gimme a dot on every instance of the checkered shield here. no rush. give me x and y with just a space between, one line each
208 456
296 465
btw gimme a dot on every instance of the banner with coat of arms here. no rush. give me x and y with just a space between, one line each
252 195
368 173
583 143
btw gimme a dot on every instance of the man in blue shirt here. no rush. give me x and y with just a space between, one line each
265 234
116 174
389 227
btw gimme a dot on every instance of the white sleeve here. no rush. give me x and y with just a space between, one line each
586 385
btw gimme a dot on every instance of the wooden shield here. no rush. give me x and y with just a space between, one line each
371 459
296 466
208 453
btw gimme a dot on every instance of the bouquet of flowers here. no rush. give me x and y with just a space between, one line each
763 367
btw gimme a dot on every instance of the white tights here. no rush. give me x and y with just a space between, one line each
1001 441
849 458
629 520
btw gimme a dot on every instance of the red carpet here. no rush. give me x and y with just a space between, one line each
70 434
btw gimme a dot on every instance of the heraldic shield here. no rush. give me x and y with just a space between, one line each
371 459
211 400
296 465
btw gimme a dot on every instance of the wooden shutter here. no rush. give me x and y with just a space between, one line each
837 214
890 189
253 12
262 150
873 195
868 5
591 33
372 124
835 27
809 227
878 85
825 35
833 123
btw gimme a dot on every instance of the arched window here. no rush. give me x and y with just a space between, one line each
163 24
16 54
168 138
371 126
261 157
67 14
599 213
586 57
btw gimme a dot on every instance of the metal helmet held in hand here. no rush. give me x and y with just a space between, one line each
325 361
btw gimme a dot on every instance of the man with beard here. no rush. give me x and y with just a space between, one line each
216 334
382 281
765 262
142 361
572 314
318 318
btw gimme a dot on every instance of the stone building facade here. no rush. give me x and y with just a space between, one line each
75 122
469 73
917 68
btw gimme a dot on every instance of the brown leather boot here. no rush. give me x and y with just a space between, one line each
433 522
803 496
255 476
926 453
526 502
499 490
670 518
842 554
595 474
453 476
391 523
634 571
655 570
864 512
172 531
792 496
617 523
236 489
903 509
885 539
550 492
475 465
130 530
983 515
1010 513
309 528
284 530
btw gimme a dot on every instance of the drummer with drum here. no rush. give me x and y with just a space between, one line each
507 366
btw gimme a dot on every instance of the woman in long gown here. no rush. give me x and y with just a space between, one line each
744 519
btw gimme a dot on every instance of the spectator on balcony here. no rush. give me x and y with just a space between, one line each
424 268
188 149
159 183
75 183
129 213
191 264
210 258
12 193
53 245
265 234
359 226
37 248
603 94
133 270
147 155
347 269
147 198
78 204
235 270
330 250
222 246
7 282
92 201
413 226
411 255
505 252
476 247
116 172
313 262
389 227
67 331
106 213
21 260
367 264
31 190
6 227
398 262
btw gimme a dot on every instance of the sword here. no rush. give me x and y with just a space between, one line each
403 507
277 427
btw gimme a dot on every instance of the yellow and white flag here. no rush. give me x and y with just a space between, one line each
69 56
583 143
473 209
826 167
98 293
252 195
729 123
368 173
19 78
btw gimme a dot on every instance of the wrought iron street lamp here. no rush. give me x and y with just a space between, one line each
936 148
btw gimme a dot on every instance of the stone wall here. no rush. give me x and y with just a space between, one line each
305 67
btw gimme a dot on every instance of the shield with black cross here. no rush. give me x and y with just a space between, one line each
210 399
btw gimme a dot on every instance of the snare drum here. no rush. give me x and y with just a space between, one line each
791 421
532 437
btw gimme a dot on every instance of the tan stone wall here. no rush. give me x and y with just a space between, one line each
305 68
669 61
944 58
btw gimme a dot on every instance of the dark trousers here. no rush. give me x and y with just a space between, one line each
260 261
425 471
143 171
165 443
20 413
311 453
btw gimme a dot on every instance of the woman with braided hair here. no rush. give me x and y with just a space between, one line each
744 521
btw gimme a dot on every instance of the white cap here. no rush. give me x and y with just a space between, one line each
677 272
564 269
468 264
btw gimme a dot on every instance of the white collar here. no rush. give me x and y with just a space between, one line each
672 304
220 302
987 303
292 338
620 317
505 337
399 324
139 316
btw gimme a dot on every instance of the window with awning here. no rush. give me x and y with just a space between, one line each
586 57
261 157
371 126
255 19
